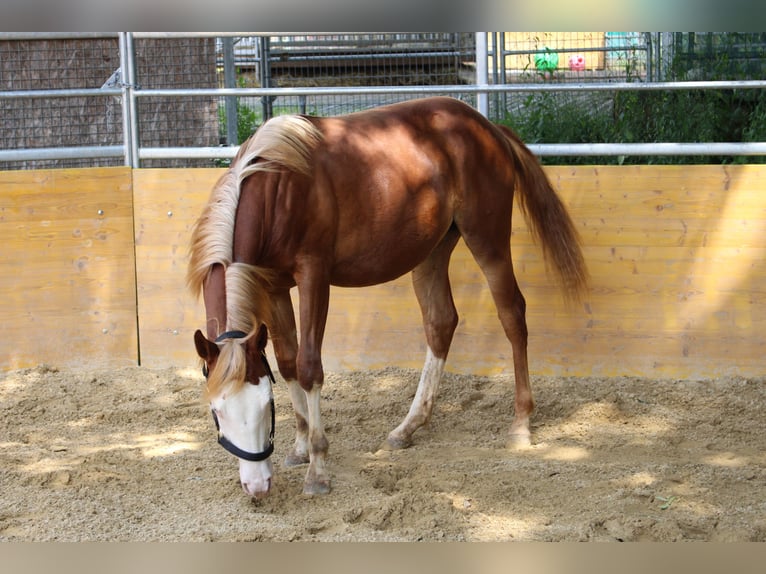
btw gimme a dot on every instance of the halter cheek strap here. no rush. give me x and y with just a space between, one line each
222 440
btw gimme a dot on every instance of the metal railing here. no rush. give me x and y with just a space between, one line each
129 94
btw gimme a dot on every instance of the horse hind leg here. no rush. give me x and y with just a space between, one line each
431 283
511 309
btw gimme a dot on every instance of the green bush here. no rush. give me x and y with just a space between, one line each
644 117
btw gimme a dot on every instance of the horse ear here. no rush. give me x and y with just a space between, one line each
207 350
260 339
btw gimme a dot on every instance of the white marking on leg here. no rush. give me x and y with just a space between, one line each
317 481
300 452
423 403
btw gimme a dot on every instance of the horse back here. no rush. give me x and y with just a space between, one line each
397 177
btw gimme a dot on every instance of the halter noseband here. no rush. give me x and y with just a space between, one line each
222 440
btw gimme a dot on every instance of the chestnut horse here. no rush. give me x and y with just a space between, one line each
358 200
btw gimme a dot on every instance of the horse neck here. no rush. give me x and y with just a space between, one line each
269 224
214 294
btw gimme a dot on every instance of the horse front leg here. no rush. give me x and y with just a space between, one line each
284 338
314 294
317 479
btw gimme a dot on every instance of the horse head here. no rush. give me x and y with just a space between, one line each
239 390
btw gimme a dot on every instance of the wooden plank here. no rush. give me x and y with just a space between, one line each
576 344
167 203
68 281
664 192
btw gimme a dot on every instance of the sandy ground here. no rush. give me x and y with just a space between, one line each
130 455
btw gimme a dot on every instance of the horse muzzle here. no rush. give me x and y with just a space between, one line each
256 478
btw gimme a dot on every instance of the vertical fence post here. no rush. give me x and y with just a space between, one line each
649 55
126 120
129 111
502 104
494 54
266 75
669 46
230 81
481 72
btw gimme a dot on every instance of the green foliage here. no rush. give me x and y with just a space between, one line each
755 130
548 118
249 117
248 120
644 117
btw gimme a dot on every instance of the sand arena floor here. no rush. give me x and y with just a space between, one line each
130 455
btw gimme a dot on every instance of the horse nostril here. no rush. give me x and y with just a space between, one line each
252 492
265 492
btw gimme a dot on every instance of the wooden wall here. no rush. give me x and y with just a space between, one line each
68 274
167 203
677 256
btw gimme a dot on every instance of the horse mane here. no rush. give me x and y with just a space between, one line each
282 143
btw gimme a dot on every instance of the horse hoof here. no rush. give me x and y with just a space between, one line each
316 488
396 443
294 459
519 441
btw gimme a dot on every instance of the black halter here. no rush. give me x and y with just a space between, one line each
222 440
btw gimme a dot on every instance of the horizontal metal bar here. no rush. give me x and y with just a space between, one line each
161 35
348 90
616 48
228 152
489 88
277 58
295 91
603 149
56 35
53 153
223 152
69 93
635 86
649 149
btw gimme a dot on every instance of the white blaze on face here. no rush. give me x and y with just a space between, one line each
245 420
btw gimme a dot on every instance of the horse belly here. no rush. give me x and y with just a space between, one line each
374 270
375 254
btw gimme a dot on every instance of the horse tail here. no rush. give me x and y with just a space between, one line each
548 219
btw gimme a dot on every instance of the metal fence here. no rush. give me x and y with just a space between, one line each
317 63
169 99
